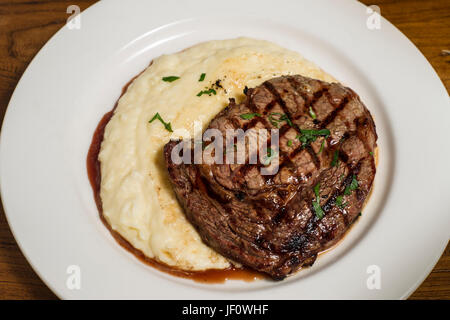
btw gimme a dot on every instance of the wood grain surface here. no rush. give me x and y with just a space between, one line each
26 25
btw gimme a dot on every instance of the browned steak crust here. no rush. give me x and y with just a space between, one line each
269 223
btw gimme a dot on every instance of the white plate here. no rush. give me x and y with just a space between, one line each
79 74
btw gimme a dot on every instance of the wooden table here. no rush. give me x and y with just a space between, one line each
25 26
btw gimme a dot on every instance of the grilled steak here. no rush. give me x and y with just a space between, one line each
279 222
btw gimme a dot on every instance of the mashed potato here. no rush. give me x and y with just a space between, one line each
138 201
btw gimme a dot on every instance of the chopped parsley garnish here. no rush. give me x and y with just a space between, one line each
249 116
371 153
202 77
286 118
281 117
208 92
339 200
166 124
321 147
352 186
316 203
289 143
273 121
348 190
170 78
312 113
270 156
335 160
308 136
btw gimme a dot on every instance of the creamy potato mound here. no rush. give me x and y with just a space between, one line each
138 201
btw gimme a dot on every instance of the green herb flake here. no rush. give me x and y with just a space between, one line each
249 116
208 92
306 137
202 77
321 147
289 143
245 90
348 190
269 157
170 78
284 117
167 125
274 122
335 160
316 204
371 153
281 117
312 113
339 202
351 187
